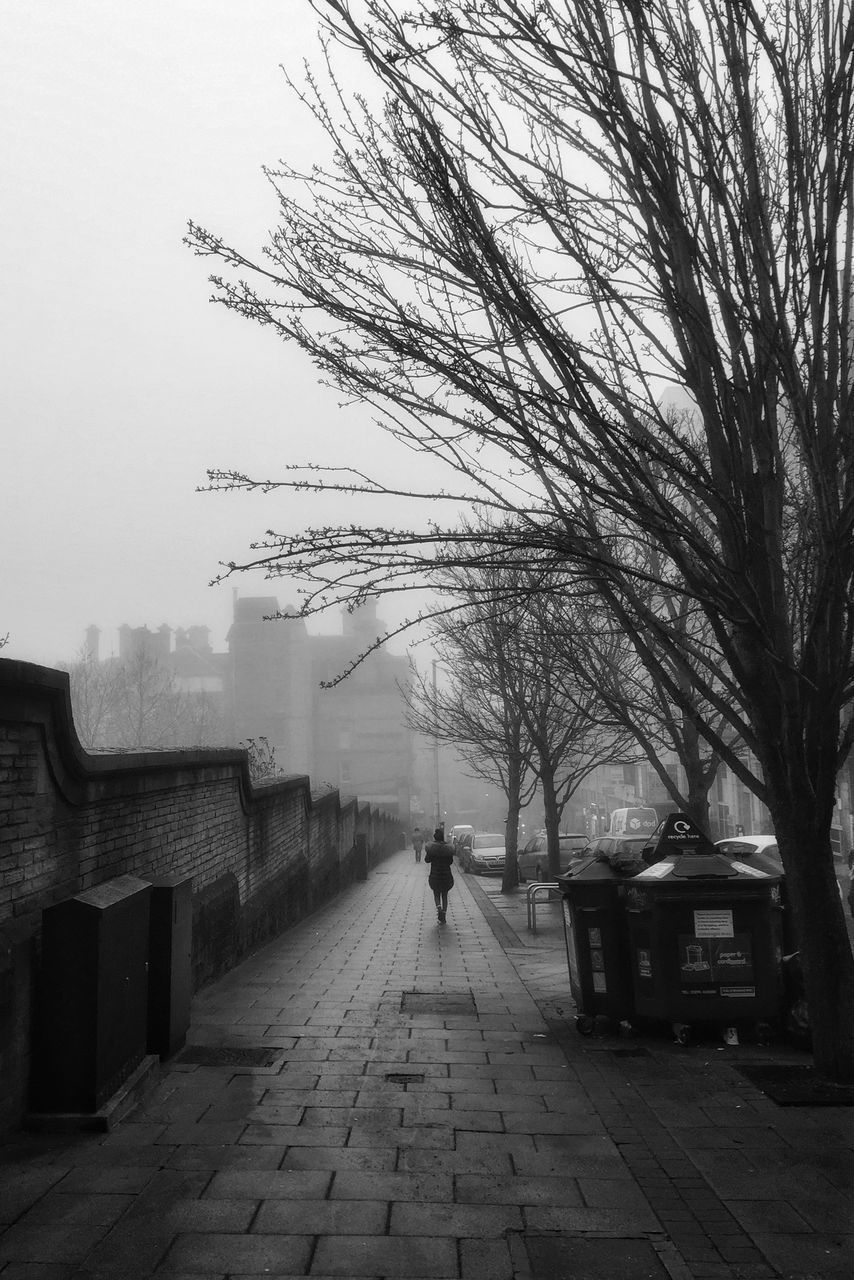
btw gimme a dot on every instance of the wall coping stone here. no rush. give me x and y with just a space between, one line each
33 693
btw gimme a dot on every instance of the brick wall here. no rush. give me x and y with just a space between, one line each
261 857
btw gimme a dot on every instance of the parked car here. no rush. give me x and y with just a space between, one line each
533 859
761 852
457 832
621 851
745 849
483 853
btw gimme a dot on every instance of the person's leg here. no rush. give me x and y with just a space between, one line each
437 898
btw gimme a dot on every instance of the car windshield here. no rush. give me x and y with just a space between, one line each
488 842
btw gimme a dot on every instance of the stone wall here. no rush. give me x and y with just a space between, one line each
261 857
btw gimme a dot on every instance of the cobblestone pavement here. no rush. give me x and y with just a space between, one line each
427 1110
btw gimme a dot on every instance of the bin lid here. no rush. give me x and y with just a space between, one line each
691 852
591 868
683 852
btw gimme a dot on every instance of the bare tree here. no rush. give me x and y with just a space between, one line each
135 704
548 213
95 691
570 726
513 702
481 709
617 658
147 709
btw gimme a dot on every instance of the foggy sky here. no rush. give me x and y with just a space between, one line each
122 384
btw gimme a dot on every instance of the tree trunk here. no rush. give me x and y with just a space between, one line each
697 798
699 774
798 737
822 936
510 878
552 817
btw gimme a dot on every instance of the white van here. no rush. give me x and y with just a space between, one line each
633 822
457 833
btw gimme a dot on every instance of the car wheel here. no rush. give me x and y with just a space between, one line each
519 872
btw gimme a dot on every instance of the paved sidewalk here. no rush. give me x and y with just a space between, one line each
427 1110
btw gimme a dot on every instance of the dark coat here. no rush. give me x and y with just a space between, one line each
441 858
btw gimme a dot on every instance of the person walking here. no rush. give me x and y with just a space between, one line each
441 858
417 843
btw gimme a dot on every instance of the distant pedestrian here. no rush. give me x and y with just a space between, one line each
417 843
441 858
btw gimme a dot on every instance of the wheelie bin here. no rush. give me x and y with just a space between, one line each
705 937
596 939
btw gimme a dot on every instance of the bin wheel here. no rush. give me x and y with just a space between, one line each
682 1032
584 1024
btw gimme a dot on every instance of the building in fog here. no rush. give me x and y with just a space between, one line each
277 682
285 686
269 682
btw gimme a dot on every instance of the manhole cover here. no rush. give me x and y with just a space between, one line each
791 1085
438 1002
230 1055
404 1077
559 1257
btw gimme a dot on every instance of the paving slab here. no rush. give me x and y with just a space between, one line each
430 1112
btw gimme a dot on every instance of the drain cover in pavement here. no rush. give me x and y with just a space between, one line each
230 1055
635 1051
558 1257
439 1002
795 1086
404 1077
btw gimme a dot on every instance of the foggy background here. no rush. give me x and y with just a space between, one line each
122 384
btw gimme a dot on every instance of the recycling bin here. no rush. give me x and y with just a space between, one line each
597 948
90 1017
170 969
705 940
